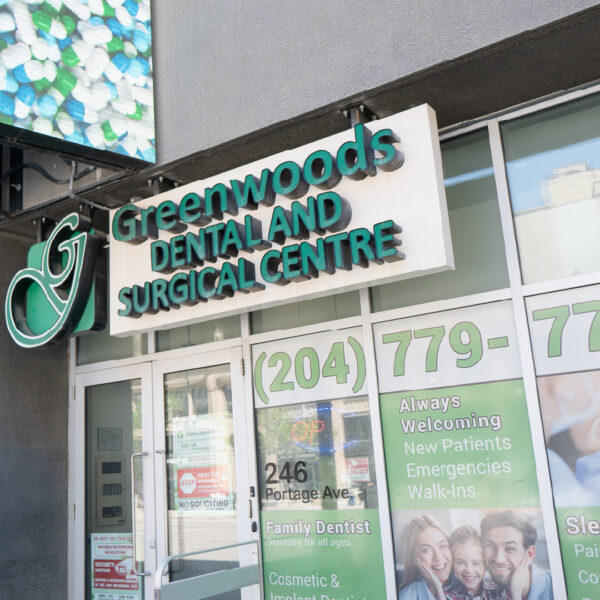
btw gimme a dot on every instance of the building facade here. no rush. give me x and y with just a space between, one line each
331 431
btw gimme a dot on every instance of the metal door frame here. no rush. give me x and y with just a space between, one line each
77 472
244 444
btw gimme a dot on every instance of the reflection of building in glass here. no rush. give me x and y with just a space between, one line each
559 237
570 183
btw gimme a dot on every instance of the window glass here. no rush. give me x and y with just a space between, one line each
306 313
564 336
200 333
201 493
100 345
113 414
475 227
317 481
553 169
459 456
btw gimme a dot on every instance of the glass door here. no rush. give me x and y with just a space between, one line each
204 450
113 535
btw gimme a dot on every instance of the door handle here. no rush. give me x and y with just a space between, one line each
135 571
163 453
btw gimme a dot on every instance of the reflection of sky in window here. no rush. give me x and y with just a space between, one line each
526 174
471 176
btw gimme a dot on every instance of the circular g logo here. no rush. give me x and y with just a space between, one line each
45 301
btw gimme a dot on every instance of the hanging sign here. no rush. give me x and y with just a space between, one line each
63 289
361 207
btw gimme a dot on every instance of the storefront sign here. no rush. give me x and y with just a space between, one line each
360 207
318 492
202 453
112 567
62 290
459 454
565 336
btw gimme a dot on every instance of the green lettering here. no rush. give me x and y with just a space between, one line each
304 218
191 210
387 156
125 299
231 242
355 158
177 252
253 229
125 226
280 229
159 256
269 267
253 192
386 242
288 180
207 276
334 212
159 295
228 284
225 201
360 247
320 170
166 217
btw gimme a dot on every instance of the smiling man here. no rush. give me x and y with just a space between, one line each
509 550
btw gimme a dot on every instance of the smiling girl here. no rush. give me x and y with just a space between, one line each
469 569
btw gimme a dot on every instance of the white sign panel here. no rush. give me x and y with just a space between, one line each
319 366
565 330
455 347
361 207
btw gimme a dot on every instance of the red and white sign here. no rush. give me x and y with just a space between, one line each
203 482
357 469
112 567
115 574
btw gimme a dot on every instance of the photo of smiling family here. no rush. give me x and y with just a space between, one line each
471 555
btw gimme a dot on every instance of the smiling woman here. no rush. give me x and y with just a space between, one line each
427 560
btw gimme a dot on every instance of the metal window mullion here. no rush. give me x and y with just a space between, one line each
427 308
251 447
151 341
527 364
520 110
284 334
383 502
558 285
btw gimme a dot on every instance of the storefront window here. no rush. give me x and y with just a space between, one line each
553 168
475 227
458 450
201 333
298 314
566 341
201 492
100 345
316 466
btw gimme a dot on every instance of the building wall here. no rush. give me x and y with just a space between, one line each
226 69
33 447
